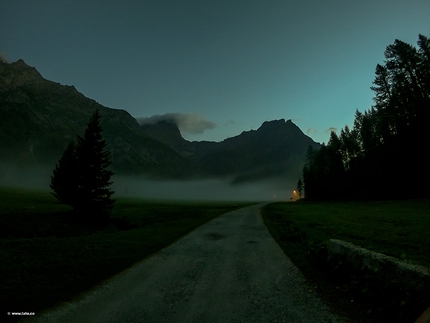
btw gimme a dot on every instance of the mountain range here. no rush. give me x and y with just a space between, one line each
276 149
41 117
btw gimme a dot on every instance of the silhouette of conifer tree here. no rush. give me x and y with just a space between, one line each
82 178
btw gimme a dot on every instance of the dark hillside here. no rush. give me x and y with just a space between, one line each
40 118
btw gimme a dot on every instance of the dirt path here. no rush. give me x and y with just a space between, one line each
229 270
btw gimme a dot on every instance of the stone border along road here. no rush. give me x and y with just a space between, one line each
228 270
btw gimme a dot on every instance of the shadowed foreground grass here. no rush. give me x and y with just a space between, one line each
48 257
396 228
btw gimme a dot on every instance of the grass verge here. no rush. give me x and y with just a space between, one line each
396 228
49 258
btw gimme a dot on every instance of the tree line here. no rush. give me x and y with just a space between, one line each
383 155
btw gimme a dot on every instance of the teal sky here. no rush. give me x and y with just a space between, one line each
234 63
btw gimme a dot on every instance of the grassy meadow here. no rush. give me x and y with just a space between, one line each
396 228
48 257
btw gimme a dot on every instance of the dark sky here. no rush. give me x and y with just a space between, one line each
224 65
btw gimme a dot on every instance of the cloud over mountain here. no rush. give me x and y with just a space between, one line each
331 129
188 123
3 58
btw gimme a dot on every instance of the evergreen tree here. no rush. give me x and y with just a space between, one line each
87 189
63 179
424 67
309 176
300 188
369 133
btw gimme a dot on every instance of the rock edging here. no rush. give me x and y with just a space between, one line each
411 278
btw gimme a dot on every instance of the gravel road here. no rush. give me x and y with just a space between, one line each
228 270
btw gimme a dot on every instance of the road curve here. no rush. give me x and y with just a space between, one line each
228 270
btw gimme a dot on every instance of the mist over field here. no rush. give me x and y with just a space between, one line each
38 177
208 189
32 177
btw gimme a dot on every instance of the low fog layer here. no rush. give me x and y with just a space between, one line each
135 186
214 189
33 177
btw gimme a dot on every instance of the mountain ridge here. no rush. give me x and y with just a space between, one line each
276 148
41 117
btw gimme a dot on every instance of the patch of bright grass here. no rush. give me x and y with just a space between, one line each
49 258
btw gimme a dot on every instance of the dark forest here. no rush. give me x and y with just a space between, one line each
383 155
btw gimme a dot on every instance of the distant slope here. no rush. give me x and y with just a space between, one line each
276 150
40 117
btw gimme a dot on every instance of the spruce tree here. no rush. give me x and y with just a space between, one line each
87 190
63 179
300 188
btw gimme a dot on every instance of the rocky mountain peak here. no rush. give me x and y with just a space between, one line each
18 73
272 123
279 128
163 131
168 133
